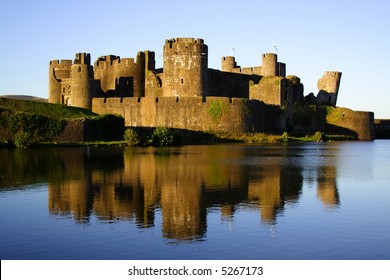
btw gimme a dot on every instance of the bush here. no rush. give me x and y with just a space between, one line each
25 129
22 139
131 137
319 136
162 136
284 137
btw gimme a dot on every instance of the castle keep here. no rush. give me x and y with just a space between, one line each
186 94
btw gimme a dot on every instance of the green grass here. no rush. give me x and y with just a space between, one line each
50 110
264 138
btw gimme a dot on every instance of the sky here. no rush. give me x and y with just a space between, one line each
311 37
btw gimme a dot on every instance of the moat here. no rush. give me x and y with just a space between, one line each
282 201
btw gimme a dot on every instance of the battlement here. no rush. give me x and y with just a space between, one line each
82 58
273 56
229 63
104 62
184 40
193 113
61 63
186 46
334 74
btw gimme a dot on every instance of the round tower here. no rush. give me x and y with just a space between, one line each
269 64
54 83
59 73
328 86
81 77
228 63
185 67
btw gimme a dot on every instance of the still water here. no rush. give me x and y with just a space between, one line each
297 201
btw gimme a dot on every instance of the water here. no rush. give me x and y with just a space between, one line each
297 201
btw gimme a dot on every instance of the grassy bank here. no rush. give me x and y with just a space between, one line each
50 110
25 123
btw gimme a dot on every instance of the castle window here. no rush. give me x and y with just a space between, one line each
182 81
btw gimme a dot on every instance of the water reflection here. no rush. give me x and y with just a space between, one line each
134 184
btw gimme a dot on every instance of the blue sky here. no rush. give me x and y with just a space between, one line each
311 36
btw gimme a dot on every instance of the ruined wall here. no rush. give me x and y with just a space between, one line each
270 66
227 84
123 77
273 90
185 67
348 122
190 113
328 86
296 88
153 84
153 76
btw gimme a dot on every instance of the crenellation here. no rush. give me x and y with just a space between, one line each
185 93
82 58
54 62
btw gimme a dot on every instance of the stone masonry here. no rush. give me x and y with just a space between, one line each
185 93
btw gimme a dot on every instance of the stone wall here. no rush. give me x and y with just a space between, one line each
354 123
189 113
271 90
236 115
124 76
328 87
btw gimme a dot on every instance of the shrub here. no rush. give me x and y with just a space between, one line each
319 136
162 136
131 137
22 139
284 137
216 110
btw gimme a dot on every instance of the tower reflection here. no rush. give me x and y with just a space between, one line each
180 185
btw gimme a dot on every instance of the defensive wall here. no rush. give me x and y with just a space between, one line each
236 115
189 113
186 94
270 66
344 121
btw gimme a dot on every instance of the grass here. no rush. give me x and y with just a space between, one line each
264 138
57 111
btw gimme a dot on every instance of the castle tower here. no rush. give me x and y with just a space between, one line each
269 64
228 63
328 86
185 67
58 72
124 76
81 78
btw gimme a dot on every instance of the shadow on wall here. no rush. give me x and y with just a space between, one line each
339 130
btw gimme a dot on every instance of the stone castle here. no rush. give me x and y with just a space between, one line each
186 94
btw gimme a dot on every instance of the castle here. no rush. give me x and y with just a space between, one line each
186 94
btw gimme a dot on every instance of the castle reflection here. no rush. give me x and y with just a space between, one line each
180 184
